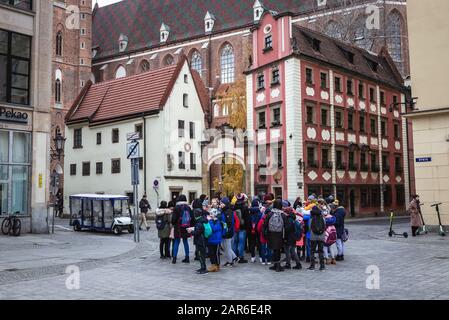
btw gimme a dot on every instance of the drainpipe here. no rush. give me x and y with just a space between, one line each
144 153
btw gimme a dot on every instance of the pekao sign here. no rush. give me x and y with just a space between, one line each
11 115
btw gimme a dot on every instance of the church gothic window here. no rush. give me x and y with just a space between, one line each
197 62
227 64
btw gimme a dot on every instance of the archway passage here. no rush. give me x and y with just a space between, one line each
228 176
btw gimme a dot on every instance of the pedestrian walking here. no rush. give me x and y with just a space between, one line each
415 217
144 206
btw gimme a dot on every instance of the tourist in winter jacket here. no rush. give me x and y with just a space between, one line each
164 215
330 239
214 241
266 253
340 214
415 217
182 210
227 215
199 239
253 235
290 238
242 211
317 239
198 210
274 229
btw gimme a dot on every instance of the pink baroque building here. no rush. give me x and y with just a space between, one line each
324 117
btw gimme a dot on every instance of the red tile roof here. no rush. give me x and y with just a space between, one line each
132 96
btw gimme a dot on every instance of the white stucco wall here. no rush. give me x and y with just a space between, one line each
161 139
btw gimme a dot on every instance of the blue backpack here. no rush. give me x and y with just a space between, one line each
185 217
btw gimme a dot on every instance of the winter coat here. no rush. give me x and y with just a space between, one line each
260 227
144 206
275 239
167 216
256 215
217 232
340 214
415 217
300 218
246 216
227 215
289 236
181 232
314 236
198 233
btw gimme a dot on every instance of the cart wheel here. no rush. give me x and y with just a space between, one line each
117 230
405 234
77 227
390 234
131 229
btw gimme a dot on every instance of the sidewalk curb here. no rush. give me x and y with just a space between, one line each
355 220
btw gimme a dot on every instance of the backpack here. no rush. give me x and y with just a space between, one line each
345 235
240 217
317 224
185 217
331 235
236 222
207 230
299 230
276 223
160 222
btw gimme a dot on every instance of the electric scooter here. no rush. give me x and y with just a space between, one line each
441 231
391 233
423 229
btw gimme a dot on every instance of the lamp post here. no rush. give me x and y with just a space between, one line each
59 141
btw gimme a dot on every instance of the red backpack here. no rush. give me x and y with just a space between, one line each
236 222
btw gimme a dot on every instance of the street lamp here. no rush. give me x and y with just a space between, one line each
58 151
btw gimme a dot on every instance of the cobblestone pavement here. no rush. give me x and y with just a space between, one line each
413 268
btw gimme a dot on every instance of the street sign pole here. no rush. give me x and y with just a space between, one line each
133 153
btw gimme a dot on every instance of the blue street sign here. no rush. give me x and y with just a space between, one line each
421 160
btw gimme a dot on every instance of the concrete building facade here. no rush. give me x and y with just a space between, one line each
25 99
429 49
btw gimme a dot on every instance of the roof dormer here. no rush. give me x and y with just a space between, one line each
122 42
258 10
165 32
209 21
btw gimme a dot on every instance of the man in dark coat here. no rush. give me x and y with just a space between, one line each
340 214
242 211
144 206
199 239
275 233
182 208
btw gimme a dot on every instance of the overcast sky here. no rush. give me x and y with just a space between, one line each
102 3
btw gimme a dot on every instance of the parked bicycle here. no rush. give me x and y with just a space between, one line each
12 225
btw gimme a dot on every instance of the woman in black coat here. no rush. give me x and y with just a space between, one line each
275 238
180 229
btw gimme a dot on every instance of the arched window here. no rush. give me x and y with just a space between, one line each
333 29
227 64
59 43
169 60
120 73
197 62
362 37
58 86
394 33
58 91
144 66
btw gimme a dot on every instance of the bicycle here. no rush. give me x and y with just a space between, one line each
12 225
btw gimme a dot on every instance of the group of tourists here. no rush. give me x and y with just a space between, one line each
225 229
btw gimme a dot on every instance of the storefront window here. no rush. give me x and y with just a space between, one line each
19 198
4 146
15 161
21 143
